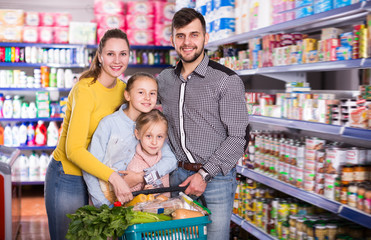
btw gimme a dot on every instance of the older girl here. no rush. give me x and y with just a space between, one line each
114 142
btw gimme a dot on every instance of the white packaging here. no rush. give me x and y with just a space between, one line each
8 136
8 107
52 134
22 138
34 167
25 169
44 162
15 135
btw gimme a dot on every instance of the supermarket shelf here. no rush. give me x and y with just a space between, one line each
37 65
141 47
36 89
31 182
344 211
29 119
40 45
311 67
348 132
36 148
149 66
251 228
316 21
312 198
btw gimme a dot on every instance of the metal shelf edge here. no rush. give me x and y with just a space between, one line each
355 215
35 148
29 119
251 228
312 198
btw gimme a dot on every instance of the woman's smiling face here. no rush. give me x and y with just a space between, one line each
114 58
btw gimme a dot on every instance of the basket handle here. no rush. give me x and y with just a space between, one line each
167 189
160 190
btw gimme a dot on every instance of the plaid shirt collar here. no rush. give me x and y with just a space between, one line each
200 69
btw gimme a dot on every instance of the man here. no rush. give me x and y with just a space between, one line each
205 106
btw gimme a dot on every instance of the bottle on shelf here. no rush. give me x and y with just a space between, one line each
8 136
32 110
44 162
30 134
34 167
1 135
40 134
22 134
52 134
15 135
8 107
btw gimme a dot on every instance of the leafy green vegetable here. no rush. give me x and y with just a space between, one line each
94 223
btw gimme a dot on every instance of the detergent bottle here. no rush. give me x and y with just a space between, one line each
40 134
52 131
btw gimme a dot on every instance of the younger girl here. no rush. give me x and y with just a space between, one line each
114 140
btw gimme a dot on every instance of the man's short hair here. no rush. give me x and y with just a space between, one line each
185 16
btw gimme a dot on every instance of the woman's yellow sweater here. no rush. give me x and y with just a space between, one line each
87 104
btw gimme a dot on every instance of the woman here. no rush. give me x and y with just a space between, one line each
97 94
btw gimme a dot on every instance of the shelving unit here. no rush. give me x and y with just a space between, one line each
339 17
345 132
29 119
251 228
342 210
36 89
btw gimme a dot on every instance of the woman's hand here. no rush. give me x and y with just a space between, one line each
121 188
132 178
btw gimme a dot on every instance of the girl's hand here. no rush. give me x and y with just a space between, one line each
121 188
132 178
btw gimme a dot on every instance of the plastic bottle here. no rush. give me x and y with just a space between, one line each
60 78
8 107
30 135
40 134
17 104
32 110
2 98
24 168
8 136
68 78
22 137
1 135
53 77
34 167
52 137
15 135
24 110
43 162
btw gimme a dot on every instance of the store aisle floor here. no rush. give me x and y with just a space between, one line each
34 222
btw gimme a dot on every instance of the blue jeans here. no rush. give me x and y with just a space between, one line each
219 196
64 194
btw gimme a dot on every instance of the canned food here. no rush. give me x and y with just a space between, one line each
356 155
335 157
283 210
314 143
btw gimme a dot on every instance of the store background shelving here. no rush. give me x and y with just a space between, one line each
339 17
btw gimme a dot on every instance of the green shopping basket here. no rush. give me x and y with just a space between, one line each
181 229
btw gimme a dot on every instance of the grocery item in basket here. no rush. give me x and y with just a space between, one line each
159 206
185 213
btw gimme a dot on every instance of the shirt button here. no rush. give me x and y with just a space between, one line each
189 77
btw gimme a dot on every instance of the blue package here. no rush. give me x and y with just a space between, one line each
344 53
342 3
346 39
202 9
303 12
224 23
302 3
322 5
224 3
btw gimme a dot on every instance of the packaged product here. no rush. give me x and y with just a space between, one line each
322 5
31 19
82 33
164 11
30 34
46 34
47 19
62 19
11 34
140 21
140 7
141 37
162 34
303 11
109 7
11 17
61 35
110 21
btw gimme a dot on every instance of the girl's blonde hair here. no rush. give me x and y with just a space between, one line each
95 68
153 116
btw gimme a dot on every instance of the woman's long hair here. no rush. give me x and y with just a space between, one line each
95 68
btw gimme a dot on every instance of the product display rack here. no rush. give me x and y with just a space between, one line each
339 17
251 228
352 134
344 16
342 210
31 119
36 89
